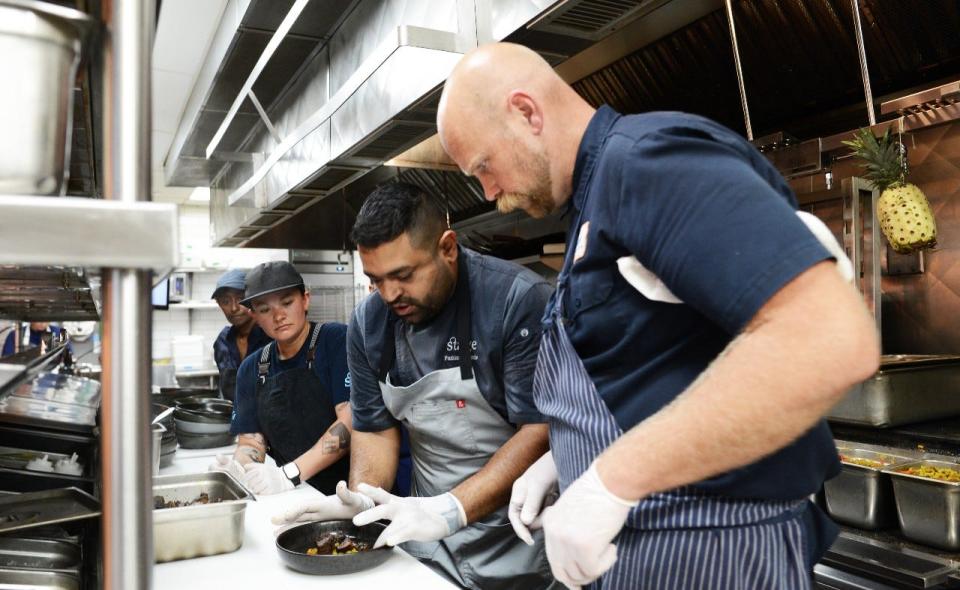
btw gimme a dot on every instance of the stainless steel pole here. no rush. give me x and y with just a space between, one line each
736 62
125 440
862 53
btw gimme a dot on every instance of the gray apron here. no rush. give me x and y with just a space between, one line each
453 433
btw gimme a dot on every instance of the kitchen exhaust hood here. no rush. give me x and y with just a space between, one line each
366 90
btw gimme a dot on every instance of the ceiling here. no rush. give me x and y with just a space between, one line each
185 30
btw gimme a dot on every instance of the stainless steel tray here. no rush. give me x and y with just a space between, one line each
906 389
13 579
862 496
39 554
928 509
198 530
35 509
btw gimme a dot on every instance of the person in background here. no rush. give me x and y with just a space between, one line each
445 348
36 334
699 333
243 336
292 399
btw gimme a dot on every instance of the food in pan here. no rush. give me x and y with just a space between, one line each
337 543
932 472
872 463
204 498
905 214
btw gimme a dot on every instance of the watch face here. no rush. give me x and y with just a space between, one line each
291 470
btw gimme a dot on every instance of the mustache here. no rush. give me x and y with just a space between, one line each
404 301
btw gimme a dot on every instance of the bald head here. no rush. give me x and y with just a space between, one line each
507 118
480 83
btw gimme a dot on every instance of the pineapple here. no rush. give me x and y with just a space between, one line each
904 212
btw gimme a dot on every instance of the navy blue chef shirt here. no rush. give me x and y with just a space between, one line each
702 210
507 302
330 365
225 351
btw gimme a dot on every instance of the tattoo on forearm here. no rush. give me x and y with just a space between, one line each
336 439
251 453
251 447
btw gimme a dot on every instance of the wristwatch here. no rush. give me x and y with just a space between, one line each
292 472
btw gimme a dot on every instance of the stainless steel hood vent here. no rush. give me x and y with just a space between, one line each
592 19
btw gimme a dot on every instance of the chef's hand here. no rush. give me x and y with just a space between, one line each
228 464
261 478
533 491
412 519
579 529
344 505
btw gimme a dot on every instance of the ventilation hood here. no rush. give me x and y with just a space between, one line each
298 99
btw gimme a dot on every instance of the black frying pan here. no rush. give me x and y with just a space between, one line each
292 544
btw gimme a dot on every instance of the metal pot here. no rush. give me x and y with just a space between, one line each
41 45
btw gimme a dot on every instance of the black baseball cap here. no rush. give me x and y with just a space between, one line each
270 277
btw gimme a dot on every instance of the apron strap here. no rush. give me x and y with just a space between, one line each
312 351
263 367
461 297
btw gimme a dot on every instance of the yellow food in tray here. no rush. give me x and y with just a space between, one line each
931 472
872 463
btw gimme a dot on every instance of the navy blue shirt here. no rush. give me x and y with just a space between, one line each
225 351
506 303
330 366
698 207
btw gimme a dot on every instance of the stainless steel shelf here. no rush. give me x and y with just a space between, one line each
72 231
46 293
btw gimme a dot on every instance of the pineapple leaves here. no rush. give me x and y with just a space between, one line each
881 158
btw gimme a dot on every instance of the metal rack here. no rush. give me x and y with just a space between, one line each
129 239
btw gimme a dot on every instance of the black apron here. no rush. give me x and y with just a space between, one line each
228 383
295 410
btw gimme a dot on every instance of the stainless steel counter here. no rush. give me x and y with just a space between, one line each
257 565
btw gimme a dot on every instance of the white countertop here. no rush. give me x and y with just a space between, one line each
256 565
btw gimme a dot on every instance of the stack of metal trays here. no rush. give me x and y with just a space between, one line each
197 514
906 389
168 442
862 495
52 400
29 558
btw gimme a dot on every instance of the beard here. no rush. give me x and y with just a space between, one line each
424 310
537 200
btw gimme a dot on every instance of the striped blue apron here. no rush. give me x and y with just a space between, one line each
680 539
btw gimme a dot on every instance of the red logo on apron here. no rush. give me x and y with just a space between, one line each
461 404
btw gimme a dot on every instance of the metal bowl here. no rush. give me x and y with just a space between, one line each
196 427
189 440
292 544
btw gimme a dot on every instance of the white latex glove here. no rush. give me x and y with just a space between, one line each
342 506
261 478
579 529
412 519
228 464
533 491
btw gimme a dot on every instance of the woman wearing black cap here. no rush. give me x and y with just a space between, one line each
292 398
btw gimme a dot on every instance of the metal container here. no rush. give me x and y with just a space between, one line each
51 507
906 389
13 579
41 46
928 509
862 496
39 554
203 529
